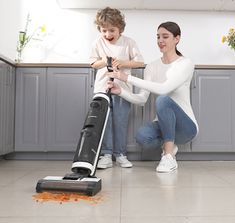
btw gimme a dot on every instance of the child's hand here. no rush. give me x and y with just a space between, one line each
104 59
115 88
119 63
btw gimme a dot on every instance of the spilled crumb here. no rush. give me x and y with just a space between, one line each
66 197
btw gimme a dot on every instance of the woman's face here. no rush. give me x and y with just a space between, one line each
110 33
166 41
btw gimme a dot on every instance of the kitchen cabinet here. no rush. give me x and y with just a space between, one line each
135 121
51 106
7 102
30 119
69 93
52 103
213 101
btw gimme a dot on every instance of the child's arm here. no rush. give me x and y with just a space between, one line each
100 63
135 59
127 63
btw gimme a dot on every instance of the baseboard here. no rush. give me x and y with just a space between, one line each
134 156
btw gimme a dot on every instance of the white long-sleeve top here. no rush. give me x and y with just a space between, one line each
165 79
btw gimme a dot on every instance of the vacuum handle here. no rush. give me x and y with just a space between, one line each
109 64
110 69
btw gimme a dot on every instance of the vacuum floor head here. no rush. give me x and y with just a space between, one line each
89 185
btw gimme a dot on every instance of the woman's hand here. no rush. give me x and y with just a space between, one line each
115 88
118 75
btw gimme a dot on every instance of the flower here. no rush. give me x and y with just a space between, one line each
230 38
24 38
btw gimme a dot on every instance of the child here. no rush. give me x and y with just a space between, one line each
125 53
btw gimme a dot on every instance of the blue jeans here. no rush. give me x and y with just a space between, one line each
173 125
115 137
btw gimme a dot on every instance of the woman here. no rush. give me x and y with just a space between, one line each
168 77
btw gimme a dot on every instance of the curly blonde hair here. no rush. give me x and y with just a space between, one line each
110 16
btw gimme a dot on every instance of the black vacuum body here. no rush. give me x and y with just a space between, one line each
82 179
87 153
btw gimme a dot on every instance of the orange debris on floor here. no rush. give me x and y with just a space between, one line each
66 197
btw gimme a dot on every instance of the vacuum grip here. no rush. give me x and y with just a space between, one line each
110 69
109 64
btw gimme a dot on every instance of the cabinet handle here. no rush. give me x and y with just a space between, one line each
194 80
8 76
93 72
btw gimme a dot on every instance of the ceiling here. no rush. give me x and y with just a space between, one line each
194 5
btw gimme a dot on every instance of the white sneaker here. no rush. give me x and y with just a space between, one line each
105 162
167 164
123 161
175 150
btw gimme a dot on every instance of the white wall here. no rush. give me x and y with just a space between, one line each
10 14
71 32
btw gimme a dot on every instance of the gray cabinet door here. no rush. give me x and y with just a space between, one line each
135 121
7 94
213 102
9 109
30 109
69 93
1 107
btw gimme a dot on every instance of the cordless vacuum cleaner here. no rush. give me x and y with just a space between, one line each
83 179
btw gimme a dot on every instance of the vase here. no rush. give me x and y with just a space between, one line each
19 57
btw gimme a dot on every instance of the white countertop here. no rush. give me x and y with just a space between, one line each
197 66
